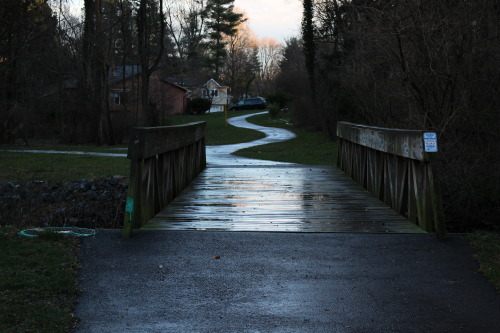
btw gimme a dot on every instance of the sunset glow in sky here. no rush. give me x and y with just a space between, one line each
278 19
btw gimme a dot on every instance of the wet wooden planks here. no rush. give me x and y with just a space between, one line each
281 199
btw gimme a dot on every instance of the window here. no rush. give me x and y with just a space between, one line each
210 93
115 98
119 98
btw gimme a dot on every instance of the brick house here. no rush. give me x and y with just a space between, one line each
124 85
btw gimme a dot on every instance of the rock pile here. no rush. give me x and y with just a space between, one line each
84 203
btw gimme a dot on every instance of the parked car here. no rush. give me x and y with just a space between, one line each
250 104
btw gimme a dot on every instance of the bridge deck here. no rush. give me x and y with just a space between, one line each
279 199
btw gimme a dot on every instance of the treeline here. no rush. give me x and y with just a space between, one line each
415 64
55 67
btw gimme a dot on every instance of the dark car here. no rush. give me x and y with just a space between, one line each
250 104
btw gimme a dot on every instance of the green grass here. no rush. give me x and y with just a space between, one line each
37 282
487 246
217 131
311 148
18 167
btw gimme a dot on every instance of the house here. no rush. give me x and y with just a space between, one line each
211 89
66 101
124 85
217 93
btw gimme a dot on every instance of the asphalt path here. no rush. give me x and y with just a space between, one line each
194 281
199 281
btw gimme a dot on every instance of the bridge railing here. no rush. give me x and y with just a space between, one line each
393 165
164 160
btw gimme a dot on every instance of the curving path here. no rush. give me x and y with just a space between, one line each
216 155
221 155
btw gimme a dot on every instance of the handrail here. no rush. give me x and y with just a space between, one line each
393 165
164 160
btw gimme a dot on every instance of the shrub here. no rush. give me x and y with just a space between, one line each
274 110
281 98
199 105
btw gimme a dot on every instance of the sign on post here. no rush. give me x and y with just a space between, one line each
430 142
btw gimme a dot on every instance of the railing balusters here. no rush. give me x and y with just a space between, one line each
392 164
164 160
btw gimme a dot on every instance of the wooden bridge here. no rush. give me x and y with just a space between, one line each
170 188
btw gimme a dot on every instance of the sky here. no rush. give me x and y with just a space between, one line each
277 19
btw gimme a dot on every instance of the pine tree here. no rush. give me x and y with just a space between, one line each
221 21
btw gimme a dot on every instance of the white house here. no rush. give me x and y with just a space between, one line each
217 93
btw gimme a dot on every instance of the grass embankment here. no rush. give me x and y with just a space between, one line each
487 246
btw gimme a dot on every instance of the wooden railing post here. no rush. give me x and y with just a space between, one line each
393 165
163 161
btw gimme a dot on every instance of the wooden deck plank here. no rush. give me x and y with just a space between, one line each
278 199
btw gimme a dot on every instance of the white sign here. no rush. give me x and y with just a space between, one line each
430 142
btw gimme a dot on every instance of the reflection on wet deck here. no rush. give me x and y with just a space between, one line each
281 199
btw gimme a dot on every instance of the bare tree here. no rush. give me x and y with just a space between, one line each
270 55
241 65
185 26
423 64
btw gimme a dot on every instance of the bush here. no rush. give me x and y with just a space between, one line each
281 98
274 110
199 105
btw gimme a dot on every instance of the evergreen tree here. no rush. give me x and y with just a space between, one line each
221 21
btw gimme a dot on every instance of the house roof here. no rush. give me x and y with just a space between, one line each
190 82
119 73
217 83
175 85
184 81
116 74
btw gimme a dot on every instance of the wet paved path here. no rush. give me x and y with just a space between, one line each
183 281
224 282
241 194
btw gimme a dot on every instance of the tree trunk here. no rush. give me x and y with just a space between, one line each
143 35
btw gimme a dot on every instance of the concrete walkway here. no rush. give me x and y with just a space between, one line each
199 281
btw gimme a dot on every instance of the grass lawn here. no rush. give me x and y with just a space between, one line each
311 148
18 167
218 132
38 286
